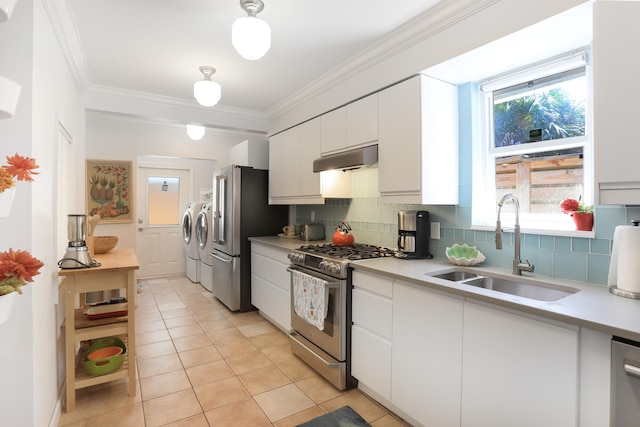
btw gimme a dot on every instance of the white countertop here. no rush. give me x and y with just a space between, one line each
594 307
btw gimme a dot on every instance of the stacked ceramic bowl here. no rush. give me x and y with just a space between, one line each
105 356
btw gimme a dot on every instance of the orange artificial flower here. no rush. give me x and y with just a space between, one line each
16 269
21 167
6 180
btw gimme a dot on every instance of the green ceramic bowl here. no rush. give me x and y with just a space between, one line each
464 255
107 364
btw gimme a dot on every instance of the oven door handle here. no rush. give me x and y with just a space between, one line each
330 285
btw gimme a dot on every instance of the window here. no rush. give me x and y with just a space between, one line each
537 143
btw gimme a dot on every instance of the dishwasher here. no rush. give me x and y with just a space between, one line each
625 382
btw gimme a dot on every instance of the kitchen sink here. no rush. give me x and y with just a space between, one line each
456 275
514 286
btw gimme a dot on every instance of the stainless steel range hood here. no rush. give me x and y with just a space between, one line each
346 160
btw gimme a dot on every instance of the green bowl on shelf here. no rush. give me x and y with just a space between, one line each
107 364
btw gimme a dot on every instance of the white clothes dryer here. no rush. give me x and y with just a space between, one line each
190 241
204 235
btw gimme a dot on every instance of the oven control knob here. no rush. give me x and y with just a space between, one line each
335 268
324 265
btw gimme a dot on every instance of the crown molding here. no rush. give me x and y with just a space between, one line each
137 119
64 27
422 27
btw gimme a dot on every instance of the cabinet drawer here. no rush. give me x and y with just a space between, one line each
271 271
268 251
371 361
372 312
376 284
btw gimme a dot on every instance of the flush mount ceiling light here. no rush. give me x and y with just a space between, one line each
207 92
251 36
195 132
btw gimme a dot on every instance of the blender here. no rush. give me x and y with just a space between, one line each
77 255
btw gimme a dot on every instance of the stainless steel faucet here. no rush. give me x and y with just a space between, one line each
518 265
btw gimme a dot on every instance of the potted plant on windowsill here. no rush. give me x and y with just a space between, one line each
582 214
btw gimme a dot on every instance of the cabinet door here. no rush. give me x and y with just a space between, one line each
309 151
418 142
616 90
371 360
427 355
362 121
277 169
399 142
270 283
371 332
334 130
518 371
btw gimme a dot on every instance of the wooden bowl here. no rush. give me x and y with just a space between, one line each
103 244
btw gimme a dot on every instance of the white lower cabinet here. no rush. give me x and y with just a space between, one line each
270 282
371 332
427 355
518 370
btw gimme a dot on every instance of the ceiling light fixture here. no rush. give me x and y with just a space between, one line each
207 92
251 36
195 132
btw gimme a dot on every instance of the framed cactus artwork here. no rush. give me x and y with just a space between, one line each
109 191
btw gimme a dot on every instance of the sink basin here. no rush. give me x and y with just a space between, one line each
516 286
526 290
456 275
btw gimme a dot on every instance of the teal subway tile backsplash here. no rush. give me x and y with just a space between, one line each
573 258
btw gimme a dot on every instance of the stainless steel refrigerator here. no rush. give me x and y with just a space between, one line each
240 210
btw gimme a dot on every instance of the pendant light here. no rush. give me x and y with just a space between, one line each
207 92
251 36
195 132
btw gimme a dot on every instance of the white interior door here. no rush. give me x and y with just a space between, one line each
162 197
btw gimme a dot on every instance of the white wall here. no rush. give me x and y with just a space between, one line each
16 369
55 99
159 145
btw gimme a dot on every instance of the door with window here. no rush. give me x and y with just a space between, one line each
162 198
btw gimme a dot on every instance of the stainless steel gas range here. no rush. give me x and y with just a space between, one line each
321 324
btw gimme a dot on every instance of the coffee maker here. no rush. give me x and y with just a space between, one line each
413 234
77 255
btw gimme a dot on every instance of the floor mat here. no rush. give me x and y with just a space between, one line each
343 417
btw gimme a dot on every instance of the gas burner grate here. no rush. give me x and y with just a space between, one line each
357 251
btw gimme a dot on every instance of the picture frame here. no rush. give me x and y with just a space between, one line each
109 191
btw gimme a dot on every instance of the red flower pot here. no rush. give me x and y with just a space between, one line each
583 220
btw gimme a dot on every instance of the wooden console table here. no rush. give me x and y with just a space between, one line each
117 271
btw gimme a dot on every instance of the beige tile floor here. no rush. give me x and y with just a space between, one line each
199 364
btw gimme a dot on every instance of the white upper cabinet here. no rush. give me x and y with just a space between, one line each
418 142
291 156
616 65
353 125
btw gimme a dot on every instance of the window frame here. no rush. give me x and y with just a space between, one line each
484 205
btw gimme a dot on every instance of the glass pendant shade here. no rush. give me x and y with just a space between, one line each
207 92
195 132
251 37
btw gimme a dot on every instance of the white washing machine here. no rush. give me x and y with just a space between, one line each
190 241
204 234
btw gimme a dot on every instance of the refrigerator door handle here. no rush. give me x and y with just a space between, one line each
218 257
221 209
